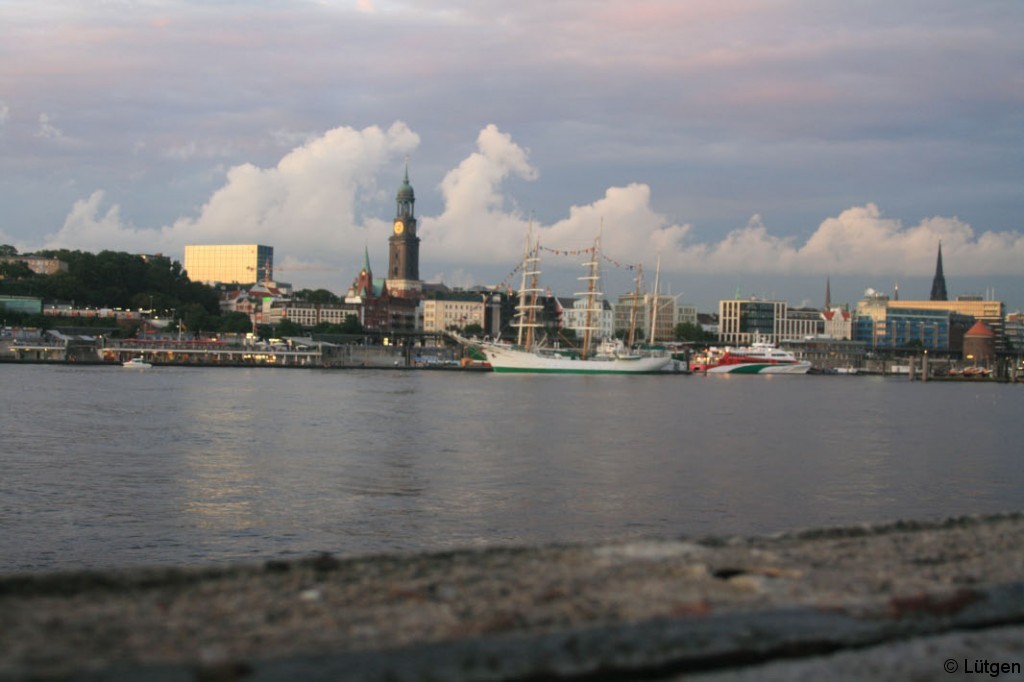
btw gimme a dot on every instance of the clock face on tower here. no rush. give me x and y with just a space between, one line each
399 227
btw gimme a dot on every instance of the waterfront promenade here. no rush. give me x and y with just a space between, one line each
906 600
214 353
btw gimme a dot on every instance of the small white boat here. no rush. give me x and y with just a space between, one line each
136 363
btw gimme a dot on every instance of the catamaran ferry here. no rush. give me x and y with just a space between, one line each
757 358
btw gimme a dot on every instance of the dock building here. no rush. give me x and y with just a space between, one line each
936 323
744 321
881 323
452 310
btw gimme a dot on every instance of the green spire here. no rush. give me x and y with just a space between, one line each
405 196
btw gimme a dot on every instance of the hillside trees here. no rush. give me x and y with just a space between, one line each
115 280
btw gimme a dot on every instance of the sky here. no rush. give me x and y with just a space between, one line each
753 148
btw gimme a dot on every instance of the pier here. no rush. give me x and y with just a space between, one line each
423 351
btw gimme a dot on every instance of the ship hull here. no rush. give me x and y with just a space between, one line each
761 368
511 360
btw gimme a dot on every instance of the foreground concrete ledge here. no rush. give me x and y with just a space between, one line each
743 608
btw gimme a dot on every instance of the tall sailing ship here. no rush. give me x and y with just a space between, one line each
531 354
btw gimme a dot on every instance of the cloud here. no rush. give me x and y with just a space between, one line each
87 227
47 130
477 222
320 205
5 112
193 150
308 201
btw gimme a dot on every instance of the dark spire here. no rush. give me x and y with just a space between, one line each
939 282
828 293
405 197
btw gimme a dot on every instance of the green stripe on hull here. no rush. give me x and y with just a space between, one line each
748 369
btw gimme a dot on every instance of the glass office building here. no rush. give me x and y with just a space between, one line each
229 263
936 330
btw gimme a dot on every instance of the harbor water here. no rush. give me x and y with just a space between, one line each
108 467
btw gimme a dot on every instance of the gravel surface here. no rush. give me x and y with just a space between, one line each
654 608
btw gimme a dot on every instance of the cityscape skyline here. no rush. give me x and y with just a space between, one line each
761 147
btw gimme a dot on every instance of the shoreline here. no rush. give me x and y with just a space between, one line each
474 368
242 365
870 600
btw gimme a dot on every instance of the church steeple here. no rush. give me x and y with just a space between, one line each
366 260
405 198
403 278
362 287
939 281
828 293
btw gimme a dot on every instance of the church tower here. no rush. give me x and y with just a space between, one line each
939 282
363 286
403 279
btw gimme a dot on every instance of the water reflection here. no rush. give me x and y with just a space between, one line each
220 465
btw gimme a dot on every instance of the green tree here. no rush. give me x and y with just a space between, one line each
351 325
235 323
194 319
687 331
322 296
6 250
15 270
288 327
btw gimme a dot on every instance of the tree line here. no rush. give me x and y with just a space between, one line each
115 279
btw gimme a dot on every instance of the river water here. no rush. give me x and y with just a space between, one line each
104 466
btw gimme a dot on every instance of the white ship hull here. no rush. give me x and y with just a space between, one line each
799 367
508 359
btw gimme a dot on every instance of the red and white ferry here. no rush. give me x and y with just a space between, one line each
757 358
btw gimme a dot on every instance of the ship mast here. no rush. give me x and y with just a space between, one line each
636 303
526 312
590 296
654 301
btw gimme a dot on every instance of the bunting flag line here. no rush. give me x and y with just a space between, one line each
588 251
505 283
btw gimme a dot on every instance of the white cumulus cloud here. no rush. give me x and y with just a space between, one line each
305 205
47 130
310 206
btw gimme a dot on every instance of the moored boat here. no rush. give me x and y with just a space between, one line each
136 363
530 354
508 358
757 358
